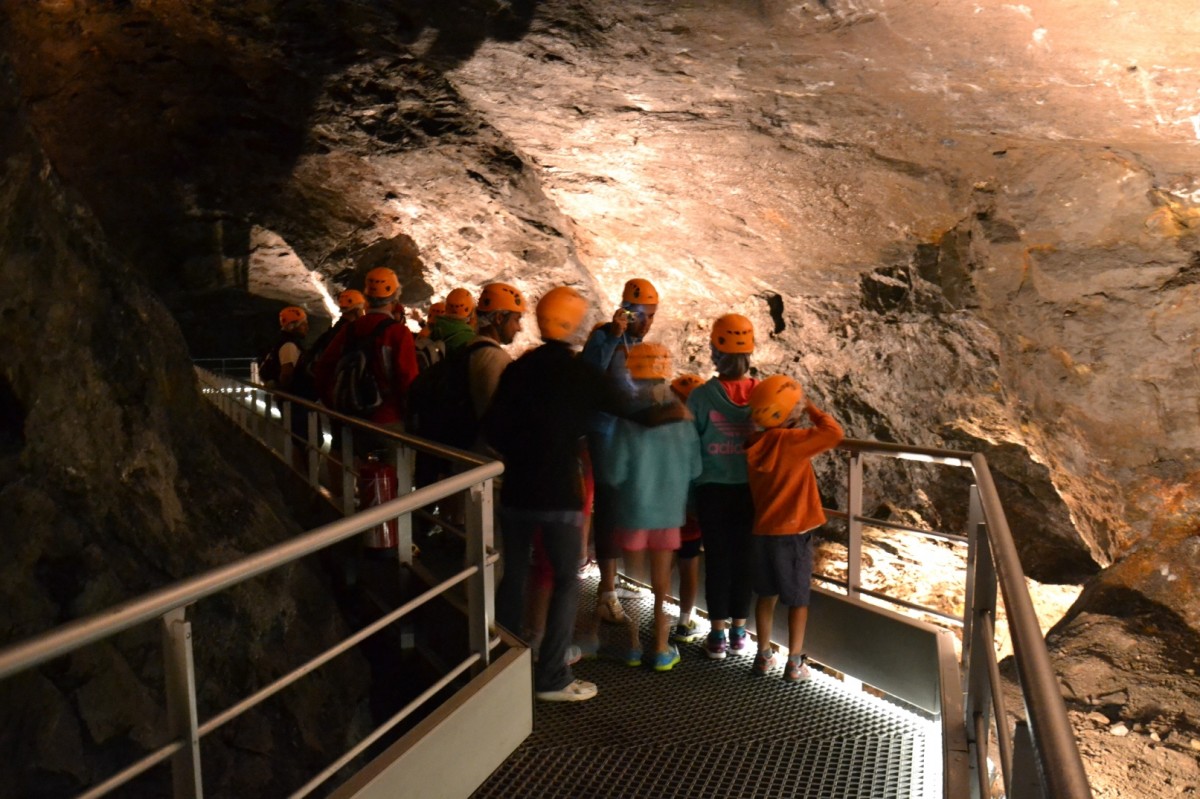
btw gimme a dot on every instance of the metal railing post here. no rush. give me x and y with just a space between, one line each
405 465
289 445
979 694
314 449
854 526
481 585
348 476
974 523
180 677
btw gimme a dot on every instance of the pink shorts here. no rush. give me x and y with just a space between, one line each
658 539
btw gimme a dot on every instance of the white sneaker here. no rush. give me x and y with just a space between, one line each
578 691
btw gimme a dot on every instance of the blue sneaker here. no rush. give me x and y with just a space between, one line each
632 657
665 661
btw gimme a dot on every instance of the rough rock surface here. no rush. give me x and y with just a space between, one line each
960 224
112 484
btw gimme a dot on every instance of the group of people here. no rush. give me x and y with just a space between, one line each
655 466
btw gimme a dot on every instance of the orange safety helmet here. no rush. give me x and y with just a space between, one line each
436 310
501 297
459 304
640 292
733 333
292 316
382 283
560 312
649 361
772 400
351 299
685 384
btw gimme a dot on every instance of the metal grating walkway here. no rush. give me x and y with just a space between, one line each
713 729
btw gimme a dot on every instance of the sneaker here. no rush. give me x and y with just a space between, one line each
574 655
630 591
797 670
609 609
716 645
577 691
765 661
739 642
665 661
685 633
632 657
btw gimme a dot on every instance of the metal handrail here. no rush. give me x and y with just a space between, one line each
1054 741
1056 756
169 603
73 635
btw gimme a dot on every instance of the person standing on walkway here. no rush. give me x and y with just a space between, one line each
391 357
543 405
455 325
787 508
721 412
277 368
651 469
607 349
685 629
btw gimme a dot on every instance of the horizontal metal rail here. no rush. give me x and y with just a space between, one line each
74 635
329 654
903 528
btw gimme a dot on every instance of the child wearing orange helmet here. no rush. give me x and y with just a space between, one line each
787 508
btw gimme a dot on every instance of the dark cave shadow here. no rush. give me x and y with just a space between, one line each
177 127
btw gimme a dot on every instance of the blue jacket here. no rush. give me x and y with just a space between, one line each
652 468
607 352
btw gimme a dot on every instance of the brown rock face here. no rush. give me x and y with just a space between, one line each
111 485
958 224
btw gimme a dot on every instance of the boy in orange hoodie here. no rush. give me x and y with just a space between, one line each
787 507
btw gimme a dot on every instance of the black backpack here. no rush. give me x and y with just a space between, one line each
439 400
269 366
356 390
304 383
429 352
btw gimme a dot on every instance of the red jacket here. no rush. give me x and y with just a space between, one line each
782 481
394 363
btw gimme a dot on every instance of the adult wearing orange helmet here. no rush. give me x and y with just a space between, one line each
277 368
542 407
721 412
607 348
498 313
391 357
455 325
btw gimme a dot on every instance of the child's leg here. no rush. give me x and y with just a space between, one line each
689 585
635 565
764 614
660 582
797 621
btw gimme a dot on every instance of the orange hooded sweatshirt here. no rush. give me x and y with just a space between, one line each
782 481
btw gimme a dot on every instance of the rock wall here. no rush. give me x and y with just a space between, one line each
112 483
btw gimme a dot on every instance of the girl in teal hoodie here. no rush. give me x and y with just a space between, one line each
652 468
721 413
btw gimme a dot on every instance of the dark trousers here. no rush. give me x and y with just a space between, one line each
726 516
561 532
